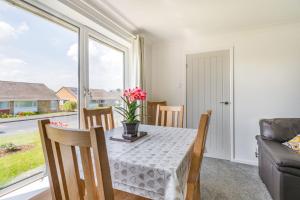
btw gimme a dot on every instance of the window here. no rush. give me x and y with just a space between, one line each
21 107
37 58
4 105
24 104
53 105
106 75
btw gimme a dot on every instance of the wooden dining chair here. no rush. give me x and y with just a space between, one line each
151 110
63 166
59 147
99 117
193 182
171 116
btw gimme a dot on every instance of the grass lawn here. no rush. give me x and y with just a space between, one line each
15 164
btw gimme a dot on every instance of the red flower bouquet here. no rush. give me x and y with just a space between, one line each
129 112
131 98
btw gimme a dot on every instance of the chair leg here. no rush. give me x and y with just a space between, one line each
190 192
197 190
193 191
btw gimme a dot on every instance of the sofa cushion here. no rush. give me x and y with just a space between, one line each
280 129
281 155
294 144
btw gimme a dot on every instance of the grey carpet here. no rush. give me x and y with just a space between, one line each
225 180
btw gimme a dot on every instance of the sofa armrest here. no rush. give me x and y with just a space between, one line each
281 155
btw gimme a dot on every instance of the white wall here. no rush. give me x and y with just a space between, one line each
266 76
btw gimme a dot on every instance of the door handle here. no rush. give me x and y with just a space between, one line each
225 102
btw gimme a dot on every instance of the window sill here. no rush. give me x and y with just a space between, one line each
28 191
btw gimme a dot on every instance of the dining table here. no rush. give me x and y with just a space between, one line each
155 166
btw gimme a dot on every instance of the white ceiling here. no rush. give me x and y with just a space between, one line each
169 19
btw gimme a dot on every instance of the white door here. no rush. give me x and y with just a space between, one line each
208 87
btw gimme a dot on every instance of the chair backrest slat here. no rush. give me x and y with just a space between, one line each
162 118
107 127
71 173
87 166
60 170
176 119
99 117
151 110
98 120
171 116
101 165
61 145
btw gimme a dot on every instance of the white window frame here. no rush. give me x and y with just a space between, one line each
111 44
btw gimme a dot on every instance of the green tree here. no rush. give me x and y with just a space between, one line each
69 106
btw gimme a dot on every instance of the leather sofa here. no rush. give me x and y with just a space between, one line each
279 166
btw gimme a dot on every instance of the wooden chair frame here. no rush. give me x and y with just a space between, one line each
193 182
99 117
164 116
151 110
63 170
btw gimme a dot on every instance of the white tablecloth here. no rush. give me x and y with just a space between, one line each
155 166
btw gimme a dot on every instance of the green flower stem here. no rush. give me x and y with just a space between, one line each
129 113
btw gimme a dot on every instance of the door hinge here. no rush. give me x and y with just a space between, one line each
86 92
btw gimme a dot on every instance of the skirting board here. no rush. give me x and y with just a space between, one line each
247 162
212 156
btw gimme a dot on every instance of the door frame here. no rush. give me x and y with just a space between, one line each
231 91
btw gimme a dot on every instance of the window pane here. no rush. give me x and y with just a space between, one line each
106 76
25 104
4 105
54 106
39 71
